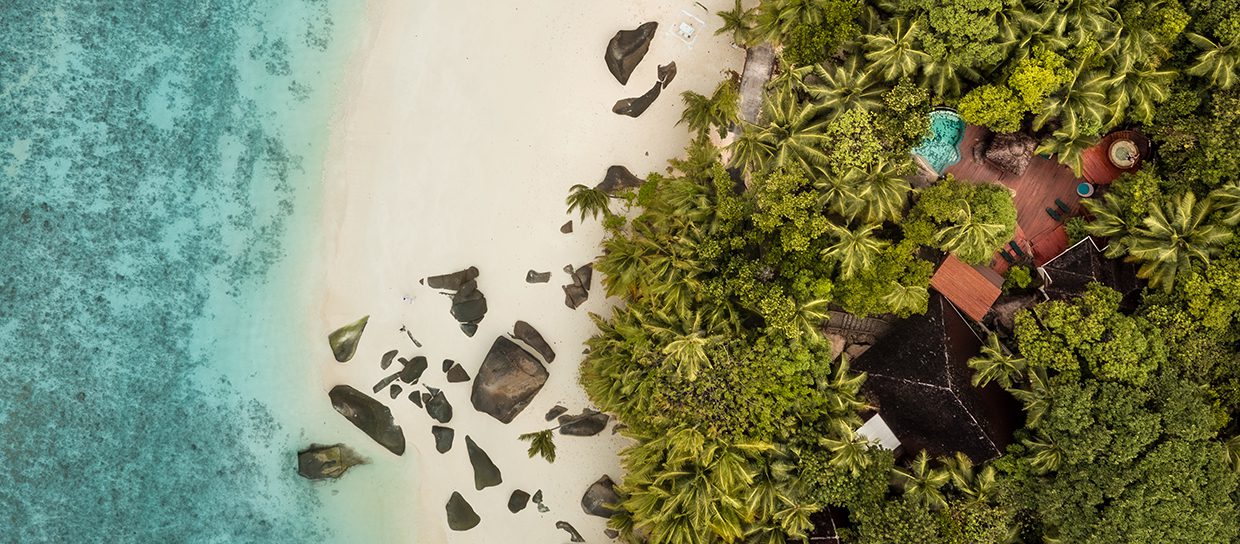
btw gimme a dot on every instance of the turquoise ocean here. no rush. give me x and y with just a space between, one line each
160 177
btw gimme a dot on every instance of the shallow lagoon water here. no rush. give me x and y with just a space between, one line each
159 169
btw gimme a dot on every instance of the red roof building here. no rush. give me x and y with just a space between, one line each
972 289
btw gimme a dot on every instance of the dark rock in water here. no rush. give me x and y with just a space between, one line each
583 276
626 49
369 415
573 535
611 533
526 333
470 329
486 474
416 398
457 374
507 381
567 228
575 295
600 494
587 423
555 412
537 277
386 361
453 281
439 408
634 107
413 369
384 383
667 72
319 462
344 340
395 390
618 178
447 364
443 438
518 501
461 516
538 499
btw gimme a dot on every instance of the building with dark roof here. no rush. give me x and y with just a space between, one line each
919 380
1066 276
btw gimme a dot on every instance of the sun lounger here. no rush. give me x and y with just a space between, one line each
1006 257
1016 249
1054 214
1062 207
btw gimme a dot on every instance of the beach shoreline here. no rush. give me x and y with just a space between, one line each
457 136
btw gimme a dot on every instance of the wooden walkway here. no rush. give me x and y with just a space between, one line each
1045 180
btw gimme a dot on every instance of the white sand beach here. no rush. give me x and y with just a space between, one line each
463 127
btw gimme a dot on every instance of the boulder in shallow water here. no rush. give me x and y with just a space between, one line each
344 340
573 535
369 415
507 381
627 49
587 423
319 462
461 516
518 501
634 107
443 438
667 72
527 333
486 474
439 408
537 277
457 374
555 412
453 281
600 494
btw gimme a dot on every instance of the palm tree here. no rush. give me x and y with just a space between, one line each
1226 200
776 18
944 79
1069 147
849 452
1232 447
838 194
737 21
905 299
1173 237
750 152
1218 62
882 193
541 443
590 201
1025 31
687 342
971 240
1078 104
996 364
895 53
790 79
854 250
922 483
1109 221
842 391
1045 455
1035 396
846 87
721 109
794 133
979 485
1136 92
809 315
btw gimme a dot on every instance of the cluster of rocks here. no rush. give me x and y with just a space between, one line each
469 305
319 462
624 52
578 292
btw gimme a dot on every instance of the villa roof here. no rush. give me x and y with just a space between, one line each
919 379
972 289
1068 274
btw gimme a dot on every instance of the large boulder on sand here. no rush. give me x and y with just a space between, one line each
527 333
344 340
587 423
667 72
634 107
617 179
627 49
601 493
507 381
461 516
486 474
320 462
369 415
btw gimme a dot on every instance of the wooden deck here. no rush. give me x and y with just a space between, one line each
1097 167
1035 190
